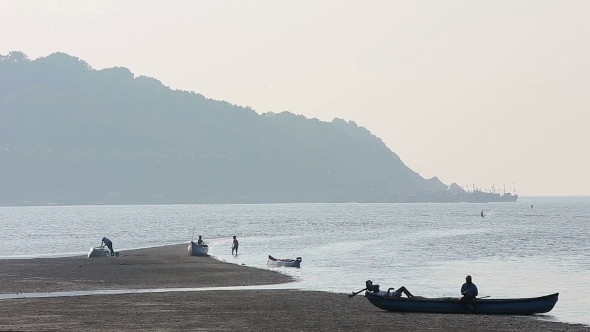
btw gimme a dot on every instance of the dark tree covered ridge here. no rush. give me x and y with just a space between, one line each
70 134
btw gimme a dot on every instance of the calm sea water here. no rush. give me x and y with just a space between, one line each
515 251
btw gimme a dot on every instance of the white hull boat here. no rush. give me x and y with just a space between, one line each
98 252
197 250
284 262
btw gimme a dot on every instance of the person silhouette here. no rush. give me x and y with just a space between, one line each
234 246
109 244
482 214
468 290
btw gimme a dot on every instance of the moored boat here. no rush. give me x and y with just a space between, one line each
516 306
284 262
197 250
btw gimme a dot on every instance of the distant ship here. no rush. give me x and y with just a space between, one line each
485 197
479 196
476 196
455 194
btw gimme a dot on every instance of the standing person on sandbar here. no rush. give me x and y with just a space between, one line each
234 246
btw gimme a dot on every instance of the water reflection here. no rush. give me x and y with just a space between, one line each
143 291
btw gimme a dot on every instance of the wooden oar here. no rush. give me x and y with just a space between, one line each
353 293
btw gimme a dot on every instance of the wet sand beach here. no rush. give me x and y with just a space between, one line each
235 310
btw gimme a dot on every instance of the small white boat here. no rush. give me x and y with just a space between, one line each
284 262
197 250
99 252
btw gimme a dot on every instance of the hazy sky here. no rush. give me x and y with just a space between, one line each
484 92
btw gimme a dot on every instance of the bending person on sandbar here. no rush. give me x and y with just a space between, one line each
109 244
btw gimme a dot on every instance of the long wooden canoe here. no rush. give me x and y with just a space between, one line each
516 306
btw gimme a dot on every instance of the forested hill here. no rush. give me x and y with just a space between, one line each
70 134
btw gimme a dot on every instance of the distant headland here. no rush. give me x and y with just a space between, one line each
70 134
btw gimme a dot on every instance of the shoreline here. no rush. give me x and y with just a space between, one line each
221 310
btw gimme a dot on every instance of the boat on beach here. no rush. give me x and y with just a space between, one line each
197 250
284 262
98 252
516 306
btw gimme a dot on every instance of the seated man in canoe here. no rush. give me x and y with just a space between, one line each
468 290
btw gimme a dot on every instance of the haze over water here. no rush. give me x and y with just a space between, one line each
515 251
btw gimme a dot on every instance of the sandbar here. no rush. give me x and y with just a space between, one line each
228 310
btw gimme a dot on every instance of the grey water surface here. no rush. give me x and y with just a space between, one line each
514 251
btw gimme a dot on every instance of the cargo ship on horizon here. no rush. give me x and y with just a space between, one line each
480 196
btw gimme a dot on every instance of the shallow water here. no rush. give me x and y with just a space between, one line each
515 251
